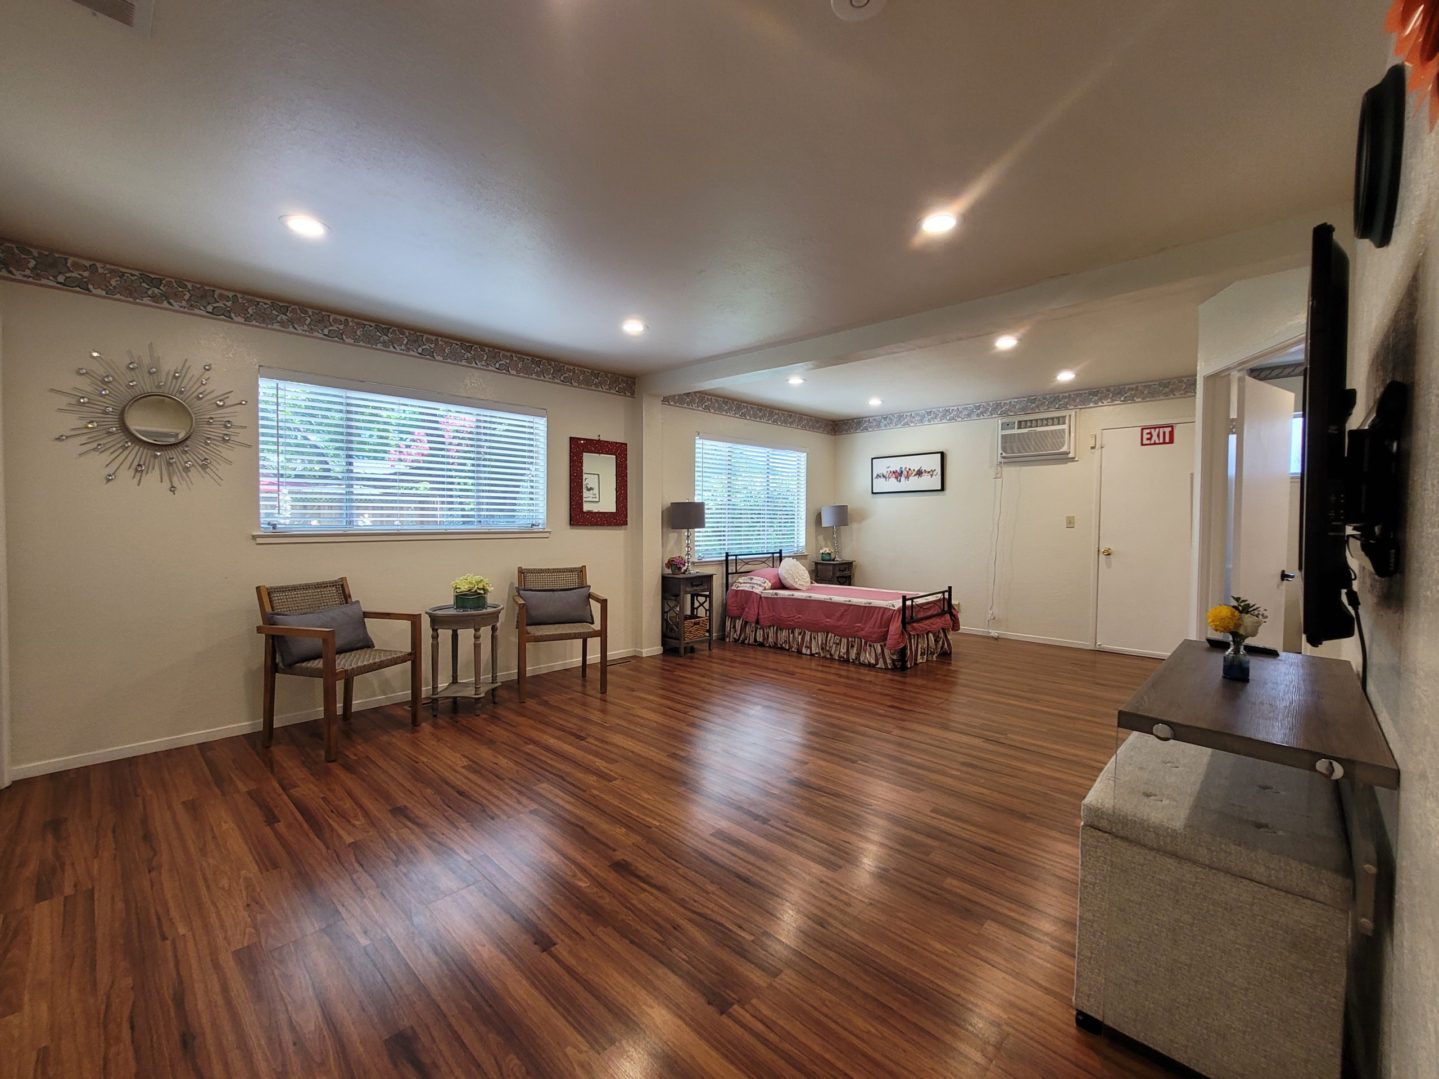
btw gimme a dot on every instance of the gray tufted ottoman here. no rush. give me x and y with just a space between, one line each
1214 897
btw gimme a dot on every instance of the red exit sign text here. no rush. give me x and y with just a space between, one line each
1160 434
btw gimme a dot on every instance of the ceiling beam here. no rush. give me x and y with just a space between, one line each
1268 249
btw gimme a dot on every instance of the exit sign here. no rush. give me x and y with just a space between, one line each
1160 434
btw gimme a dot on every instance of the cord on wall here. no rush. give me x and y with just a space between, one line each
994 534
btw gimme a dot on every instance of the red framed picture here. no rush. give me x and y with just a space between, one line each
599 482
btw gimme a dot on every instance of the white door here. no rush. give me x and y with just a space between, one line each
1146 484
1264 416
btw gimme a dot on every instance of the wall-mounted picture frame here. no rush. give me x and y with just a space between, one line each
906 473
599 483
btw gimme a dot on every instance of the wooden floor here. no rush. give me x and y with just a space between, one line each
741 863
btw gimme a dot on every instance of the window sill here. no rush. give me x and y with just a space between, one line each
392 537
798 556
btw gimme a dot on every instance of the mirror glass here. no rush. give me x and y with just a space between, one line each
159 419
599 482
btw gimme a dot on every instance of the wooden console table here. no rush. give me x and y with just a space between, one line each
454 619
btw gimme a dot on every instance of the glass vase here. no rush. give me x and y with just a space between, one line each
471 601
1236 660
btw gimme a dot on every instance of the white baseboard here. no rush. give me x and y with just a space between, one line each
1132 652
1062 642
190 738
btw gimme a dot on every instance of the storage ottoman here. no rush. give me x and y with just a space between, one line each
1214 895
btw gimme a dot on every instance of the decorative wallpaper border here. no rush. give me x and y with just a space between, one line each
1278 371
1160 390
35 266
746 410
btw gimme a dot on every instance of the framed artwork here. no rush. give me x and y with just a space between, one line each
906 472
599 482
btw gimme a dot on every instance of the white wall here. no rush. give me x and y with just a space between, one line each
135 608
1394 322
1045 571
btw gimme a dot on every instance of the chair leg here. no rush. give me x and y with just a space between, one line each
267 725
417 670
349 706
584 657
604 658
520 672
332 727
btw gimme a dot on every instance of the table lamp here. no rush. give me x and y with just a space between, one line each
832 517
688 516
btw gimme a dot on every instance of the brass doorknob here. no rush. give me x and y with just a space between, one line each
1106 551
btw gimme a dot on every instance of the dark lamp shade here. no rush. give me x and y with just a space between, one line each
833 516
687 514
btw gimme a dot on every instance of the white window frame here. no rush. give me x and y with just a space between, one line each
371 535
711 508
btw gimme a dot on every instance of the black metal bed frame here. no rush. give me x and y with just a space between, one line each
941 599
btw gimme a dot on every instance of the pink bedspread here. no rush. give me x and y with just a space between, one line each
872 614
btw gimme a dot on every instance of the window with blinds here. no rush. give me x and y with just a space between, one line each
335 458
754 498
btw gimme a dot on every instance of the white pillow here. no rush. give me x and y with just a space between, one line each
793 575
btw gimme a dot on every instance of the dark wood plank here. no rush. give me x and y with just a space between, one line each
742 863
1295 710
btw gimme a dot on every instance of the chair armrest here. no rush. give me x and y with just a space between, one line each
398 616
597 598
297 631
522 613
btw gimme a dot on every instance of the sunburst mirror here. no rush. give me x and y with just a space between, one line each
144 419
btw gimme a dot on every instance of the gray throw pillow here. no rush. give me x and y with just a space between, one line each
347 620
552 606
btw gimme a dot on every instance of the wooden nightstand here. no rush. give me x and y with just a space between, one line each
835 571
687 611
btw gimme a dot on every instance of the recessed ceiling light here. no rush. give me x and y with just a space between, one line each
311 228
1006 341
1064 376
634 326
94 354
875 402
939 222
795 380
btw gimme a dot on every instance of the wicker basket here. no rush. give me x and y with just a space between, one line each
697 628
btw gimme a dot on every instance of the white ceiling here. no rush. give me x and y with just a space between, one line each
739 173
1134 339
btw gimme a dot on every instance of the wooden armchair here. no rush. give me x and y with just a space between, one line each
332 666
566 577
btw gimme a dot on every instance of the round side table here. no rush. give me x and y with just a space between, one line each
453 619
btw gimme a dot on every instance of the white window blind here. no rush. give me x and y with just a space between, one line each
754 498
338 459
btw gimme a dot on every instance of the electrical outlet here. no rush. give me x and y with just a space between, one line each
1069 520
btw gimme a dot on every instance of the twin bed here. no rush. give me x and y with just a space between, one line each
871 626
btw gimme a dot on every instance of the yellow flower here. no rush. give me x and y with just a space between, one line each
1223 619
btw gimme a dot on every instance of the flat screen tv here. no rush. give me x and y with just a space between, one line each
1328 403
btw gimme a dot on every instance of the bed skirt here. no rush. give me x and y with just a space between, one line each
922 646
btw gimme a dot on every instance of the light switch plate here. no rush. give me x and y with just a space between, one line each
1069 521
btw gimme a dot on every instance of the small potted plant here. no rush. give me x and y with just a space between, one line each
826 554
676 563
472 592
1241 619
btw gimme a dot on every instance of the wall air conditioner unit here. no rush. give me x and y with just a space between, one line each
1047 437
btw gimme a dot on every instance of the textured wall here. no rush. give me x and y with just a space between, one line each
1395 334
